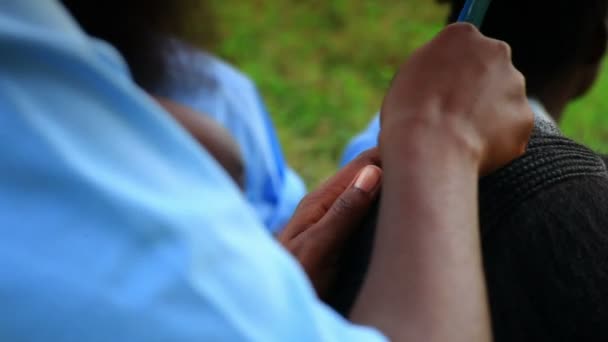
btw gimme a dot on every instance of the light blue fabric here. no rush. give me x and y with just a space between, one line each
362 142
211 86
115 225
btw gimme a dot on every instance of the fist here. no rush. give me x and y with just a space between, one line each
463 88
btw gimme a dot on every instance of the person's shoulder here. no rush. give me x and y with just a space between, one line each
229 74
554 174
544 222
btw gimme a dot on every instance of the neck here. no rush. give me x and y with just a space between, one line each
556 96
555 106
561 91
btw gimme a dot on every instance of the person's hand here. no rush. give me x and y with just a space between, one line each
457 108
326 218
462 89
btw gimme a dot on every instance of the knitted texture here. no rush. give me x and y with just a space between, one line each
549 161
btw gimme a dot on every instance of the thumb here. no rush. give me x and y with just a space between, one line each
349 209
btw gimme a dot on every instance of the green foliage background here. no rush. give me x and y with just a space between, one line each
323 67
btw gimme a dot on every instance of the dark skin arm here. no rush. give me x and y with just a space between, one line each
457 109
468 117
464 109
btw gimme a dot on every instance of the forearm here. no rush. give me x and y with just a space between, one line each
425 281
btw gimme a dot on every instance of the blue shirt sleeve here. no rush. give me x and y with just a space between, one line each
115 225
215 88
362 142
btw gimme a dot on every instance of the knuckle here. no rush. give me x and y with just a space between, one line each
518 85
521 80
344 206
460 32
503 49
463 29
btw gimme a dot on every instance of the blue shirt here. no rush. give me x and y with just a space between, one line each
362 142
210 86
115 225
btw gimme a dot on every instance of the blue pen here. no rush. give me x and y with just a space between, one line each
474 12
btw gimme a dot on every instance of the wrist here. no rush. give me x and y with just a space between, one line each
439 138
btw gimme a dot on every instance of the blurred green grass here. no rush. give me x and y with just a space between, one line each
323 67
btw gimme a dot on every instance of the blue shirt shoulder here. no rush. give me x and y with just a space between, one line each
115 225
362 142
215 88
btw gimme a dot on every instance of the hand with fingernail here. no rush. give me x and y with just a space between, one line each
456 109
327 217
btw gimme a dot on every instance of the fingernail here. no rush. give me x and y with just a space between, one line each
368 179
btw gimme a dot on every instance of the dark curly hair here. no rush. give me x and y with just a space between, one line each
138 30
